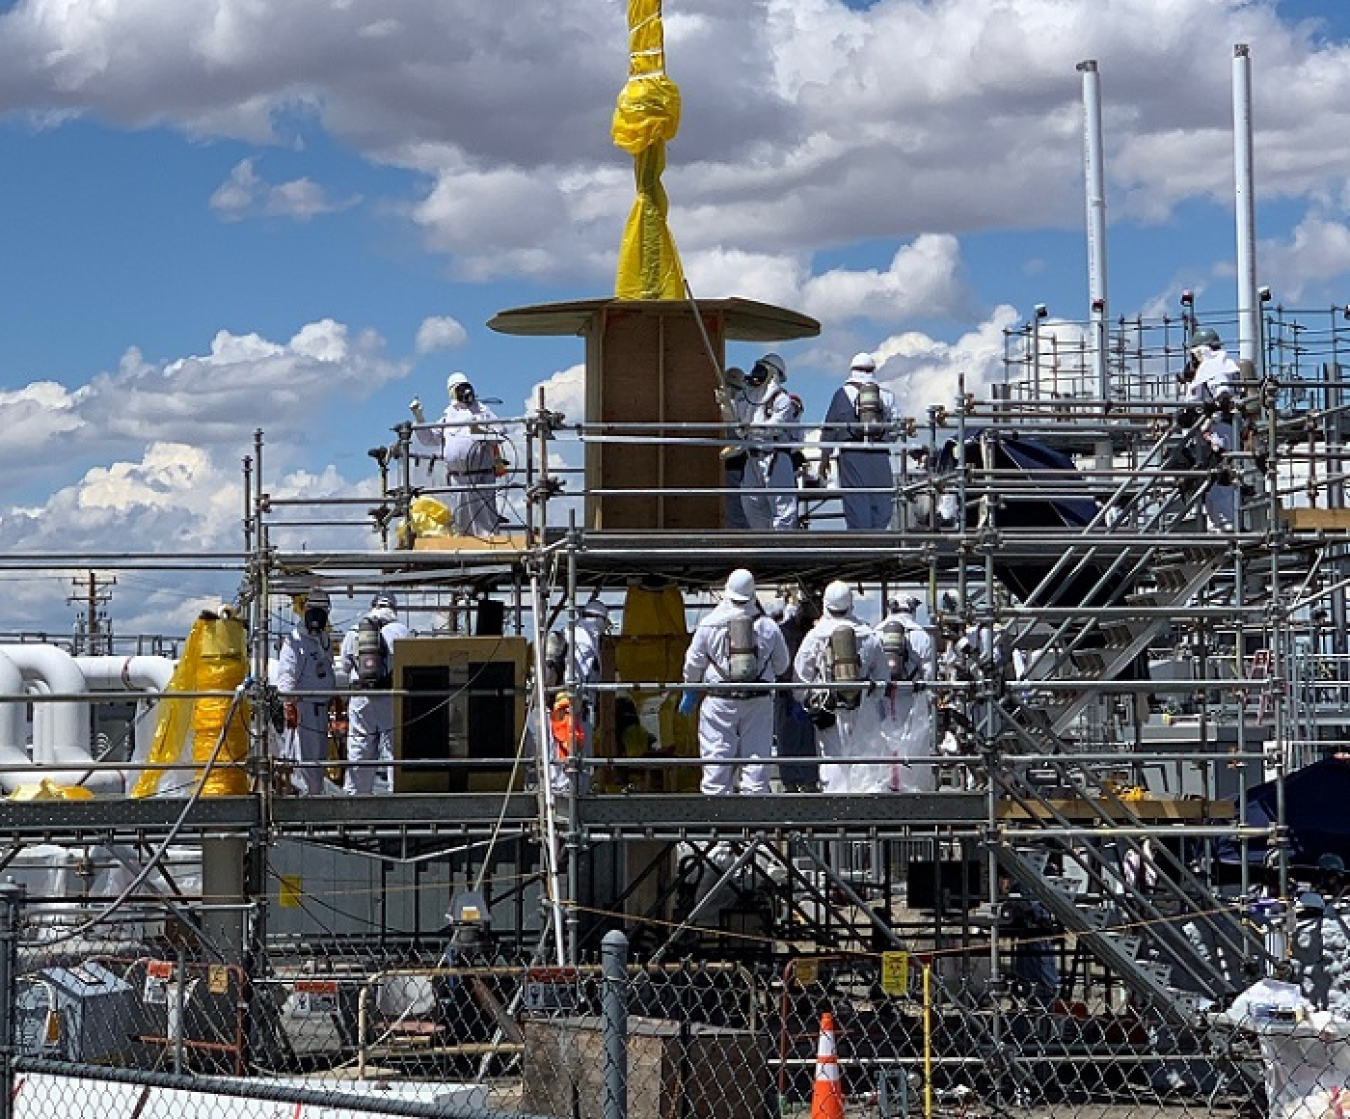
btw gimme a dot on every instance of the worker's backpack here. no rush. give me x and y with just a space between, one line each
843 665
895 644
871 414
373 669
742 650
555 659
900 658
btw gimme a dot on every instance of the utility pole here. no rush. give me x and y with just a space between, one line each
93 627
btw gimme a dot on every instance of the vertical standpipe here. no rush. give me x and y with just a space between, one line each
1249 306
1095 181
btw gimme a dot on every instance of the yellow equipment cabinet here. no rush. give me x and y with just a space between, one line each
458 699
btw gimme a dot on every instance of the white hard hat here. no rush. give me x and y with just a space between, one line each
384 598
838 597
740 585
595 609
775 363
864 362
453 380
318 597
906 604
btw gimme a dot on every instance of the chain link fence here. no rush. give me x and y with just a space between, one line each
355 1030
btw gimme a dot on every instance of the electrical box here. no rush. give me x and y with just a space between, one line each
86 1014
458 700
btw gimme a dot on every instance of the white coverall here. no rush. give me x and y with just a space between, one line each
908 714
767 414
1217 375
868 466
468 441
589 632
857 730
370 715
735 728
305 664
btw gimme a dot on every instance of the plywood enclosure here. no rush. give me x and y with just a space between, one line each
649 364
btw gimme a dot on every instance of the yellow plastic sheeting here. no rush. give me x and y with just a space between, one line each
651 646
429 517
646 116
214 659
47 789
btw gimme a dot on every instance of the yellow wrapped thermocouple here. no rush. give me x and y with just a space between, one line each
647 115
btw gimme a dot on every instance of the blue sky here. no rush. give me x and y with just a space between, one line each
238 215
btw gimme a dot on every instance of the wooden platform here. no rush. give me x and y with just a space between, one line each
510 542
1150 810
1316 520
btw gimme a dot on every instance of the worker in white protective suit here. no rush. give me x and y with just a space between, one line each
841 649
740 645
573 715
733 459
862 415
767 420
908 710
1211 387
469 441
367 655
305 682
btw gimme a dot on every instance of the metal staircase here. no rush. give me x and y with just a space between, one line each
1100 647
1177 578
1158 935
1168 948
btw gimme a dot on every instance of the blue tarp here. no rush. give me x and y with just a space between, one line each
1316 812
1085 585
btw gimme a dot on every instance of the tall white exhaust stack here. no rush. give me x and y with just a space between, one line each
1249 305
1095 175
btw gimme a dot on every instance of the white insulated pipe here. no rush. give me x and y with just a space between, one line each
126 674
12 720
131 674
1094 173
1244 179
61 728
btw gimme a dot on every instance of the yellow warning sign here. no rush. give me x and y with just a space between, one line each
806 972
218 979
895 973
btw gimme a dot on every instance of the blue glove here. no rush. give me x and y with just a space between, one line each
688 702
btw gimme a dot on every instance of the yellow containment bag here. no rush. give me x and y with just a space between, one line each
47 789
428 517
215 659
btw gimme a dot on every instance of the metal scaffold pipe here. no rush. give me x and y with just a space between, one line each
1249 306
1095 174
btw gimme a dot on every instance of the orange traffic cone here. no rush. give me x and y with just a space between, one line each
827 1098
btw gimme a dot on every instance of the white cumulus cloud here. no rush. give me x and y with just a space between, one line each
440 332
922 370
213 400
245 195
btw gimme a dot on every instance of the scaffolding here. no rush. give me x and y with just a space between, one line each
1110 680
